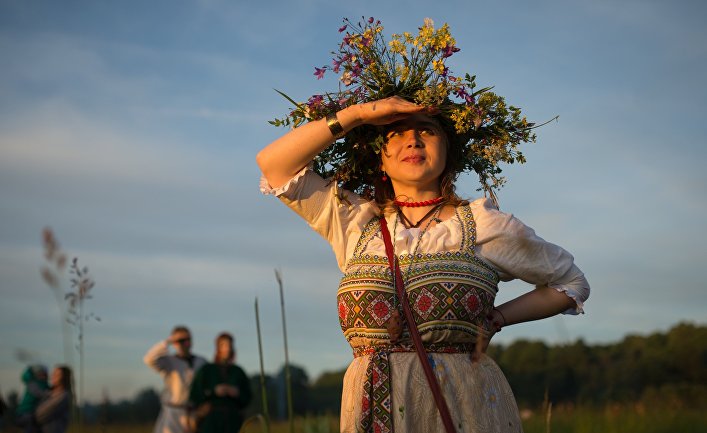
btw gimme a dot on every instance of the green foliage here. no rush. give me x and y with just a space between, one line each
628 371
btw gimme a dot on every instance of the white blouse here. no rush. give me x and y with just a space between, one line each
503 241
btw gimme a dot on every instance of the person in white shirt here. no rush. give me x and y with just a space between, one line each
177 370
452 254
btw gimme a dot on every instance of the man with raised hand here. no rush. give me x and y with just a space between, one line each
177 370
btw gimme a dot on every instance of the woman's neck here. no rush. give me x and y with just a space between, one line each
424 204
416 193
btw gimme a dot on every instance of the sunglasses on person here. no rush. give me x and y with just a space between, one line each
183 340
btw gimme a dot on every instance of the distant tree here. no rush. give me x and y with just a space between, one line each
686 347
146 405
670 365
300 392
325 393
256 405
525 365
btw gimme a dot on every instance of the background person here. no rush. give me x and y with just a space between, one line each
36 387
220 391
54 411
177 371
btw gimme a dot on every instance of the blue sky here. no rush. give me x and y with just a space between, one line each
131 129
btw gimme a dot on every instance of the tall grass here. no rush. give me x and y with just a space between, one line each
617 419
565 419
288 377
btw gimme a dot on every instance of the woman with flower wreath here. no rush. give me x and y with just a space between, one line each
372 168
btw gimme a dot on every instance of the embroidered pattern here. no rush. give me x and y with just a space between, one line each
449 292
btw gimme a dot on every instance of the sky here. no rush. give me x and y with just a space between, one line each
131 128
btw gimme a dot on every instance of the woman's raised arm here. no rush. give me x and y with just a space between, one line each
282 159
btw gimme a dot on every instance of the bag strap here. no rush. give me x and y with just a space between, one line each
416 339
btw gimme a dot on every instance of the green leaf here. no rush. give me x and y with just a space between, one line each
290 99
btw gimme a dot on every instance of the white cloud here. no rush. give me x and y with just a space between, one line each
58 141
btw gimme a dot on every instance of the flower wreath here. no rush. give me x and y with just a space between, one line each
482 129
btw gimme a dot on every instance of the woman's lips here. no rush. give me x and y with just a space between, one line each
415 159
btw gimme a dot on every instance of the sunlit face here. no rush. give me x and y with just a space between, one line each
223 349
415 153
56 378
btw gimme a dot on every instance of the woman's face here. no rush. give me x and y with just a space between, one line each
57 376
415 153
223 349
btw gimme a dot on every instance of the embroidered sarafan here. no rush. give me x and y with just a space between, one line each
450 292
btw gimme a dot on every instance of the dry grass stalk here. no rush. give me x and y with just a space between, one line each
288 379
73 301
52 272
265 418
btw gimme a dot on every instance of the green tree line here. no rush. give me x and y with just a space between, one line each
661 369
672 364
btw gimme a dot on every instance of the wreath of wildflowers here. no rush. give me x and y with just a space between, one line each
482 129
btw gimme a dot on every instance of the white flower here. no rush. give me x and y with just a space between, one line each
346 78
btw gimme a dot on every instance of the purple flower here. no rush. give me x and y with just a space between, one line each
315 101
337 65
347 39
449 50
461 93
342 28
366 42
370 20
319 72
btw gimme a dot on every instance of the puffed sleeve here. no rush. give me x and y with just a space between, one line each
336 214
516 252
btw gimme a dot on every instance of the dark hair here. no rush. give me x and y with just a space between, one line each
67 380
180 328
227 337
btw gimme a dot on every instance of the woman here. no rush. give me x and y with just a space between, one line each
53 412
220 391
451 254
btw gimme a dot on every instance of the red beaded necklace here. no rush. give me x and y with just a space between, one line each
423 203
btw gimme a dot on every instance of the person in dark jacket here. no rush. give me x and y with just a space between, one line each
220 391
53 412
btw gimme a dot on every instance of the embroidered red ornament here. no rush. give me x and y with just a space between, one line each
423 203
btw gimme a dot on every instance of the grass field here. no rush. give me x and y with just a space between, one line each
610 419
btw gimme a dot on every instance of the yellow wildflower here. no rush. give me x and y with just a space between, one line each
438 66
397 46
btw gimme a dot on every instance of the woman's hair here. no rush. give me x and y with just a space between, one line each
67 380
224 336
385 195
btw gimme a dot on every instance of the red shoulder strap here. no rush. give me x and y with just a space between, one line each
416 339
